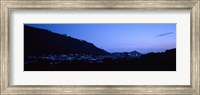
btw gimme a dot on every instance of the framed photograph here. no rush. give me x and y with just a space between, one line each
100 47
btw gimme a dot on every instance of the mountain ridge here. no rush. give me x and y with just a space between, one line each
41 41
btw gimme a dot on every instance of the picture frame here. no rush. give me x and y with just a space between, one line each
8 5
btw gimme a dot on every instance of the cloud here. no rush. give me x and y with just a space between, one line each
164 34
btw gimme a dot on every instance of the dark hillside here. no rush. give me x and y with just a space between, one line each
42 42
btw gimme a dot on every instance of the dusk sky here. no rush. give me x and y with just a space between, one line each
143 38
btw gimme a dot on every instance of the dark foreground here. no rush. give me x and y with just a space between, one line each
99 67
165 61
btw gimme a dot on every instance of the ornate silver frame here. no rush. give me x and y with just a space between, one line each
6 6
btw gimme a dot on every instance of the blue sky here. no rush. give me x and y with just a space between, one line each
120 37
